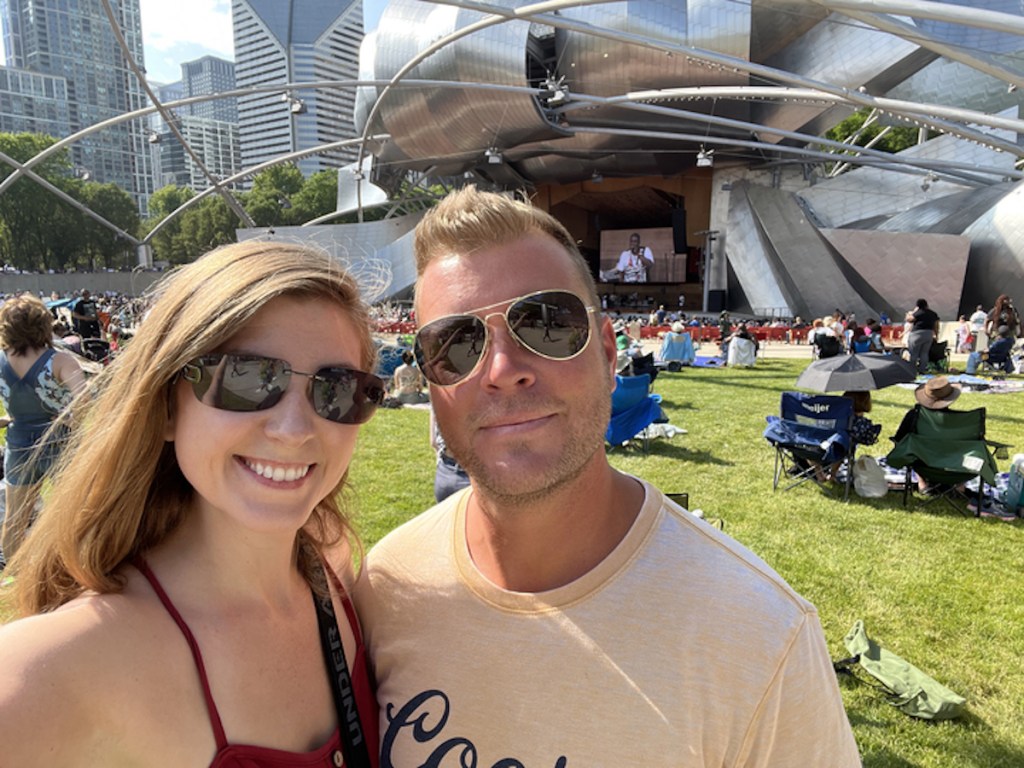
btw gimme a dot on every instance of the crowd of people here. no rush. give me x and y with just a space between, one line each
194 554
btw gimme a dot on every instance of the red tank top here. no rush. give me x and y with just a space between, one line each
248 756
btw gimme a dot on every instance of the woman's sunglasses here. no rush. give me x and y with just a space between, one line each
552 324
253 383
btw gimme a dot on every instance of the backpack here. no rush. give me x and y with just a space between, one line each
907 687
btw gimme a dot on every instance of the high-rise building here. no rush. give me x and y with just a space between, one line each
289 41
74 41
33 103
205 76
209 127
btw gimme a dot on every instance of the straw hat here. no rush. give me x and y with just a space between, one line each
677 327
937 393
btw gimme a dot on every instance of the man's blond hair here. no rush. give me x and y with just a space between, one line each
469 220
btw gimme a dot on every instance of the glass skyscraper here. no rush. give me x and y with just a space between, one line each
74 41
281 41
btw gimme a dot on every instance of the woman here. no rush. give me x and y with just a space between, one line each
964 338
407 382
1003 313
175 587
36 384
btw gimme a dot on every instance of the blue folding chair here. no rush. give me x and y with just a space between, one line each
811 432
634 409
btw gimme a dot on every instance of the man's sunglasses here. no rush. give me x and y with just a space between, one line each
552 324
253 383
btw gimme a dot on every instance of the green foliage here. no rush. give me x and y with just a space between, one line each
939 589
897 139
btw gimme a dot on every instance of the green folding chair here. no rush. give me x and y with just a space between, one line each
948 449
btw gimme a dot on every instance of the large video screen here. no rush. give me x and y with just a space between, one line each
620 264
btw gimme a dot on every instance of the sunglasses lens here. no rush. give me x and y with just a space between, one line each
237 383
240 383
448 349
553 324
346 396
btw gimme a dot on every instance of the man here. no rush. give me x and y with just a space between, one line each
559 613
85 317
924 329
998 353
977 322
634 262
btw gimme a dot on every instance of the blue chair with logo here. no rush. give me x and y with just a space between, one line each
811 433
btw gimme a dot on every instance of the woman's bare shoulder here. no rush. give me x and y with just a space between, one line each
65 669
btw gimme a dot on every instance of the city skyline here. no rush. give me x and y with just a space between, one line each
174 33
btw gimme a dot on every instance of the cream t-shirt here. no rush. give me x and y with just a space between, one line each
680 649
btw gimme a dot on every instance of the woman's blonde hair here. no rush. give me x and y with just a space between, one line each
25 323
118 490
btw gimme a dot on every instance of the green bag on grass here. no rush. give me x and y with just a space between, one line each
910 689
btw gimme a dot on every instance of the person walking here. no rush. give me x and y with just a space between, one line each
924 329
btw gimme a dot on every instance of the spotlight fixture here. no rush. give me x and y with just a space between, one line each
296 106
556 92
926 183
705 157
597 178
493 155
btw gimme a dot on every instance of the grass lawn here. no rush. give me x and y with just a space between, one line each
939 589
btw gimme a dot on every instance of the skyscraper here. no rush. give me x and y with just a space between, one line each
210 127
282 41
74 41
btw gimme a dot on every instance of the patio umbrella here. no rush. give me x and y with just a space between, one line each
859 372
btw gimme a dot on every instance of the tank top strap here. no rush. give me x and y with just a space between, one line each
41 364
215 723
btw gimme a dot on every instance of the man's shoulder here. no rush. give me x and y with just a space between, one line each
411 541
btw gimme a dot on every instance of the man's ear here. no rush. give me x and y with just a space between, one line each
608 347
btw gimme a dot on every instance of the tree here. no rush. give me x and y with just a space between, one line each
899 138
29 213
103 247
167 245
270 201
318 196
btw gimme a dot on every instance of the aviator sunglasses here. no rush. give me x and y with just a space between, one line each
552 324
254 383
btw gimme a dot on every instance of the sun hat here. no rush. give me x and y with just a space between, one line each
937 393
677 327
618 326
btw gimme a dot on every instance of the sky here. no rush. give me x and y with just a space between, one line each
174 31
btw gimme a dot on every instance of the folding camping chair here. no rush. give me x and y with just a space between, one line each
938 357
634 409
812 432
742 352
948 449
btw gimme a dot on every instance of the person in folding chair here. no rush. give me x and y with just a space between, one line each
945 448
595 579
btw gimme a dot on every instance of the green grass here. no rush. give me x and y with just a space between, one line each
939 589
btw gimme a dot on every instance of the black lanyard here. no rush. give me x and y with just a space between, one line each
353 739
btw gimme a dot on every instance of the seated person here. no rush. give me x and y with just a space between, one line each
859 340
998 353
408 383
742 332
873 332
936 394
677 346
826 343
